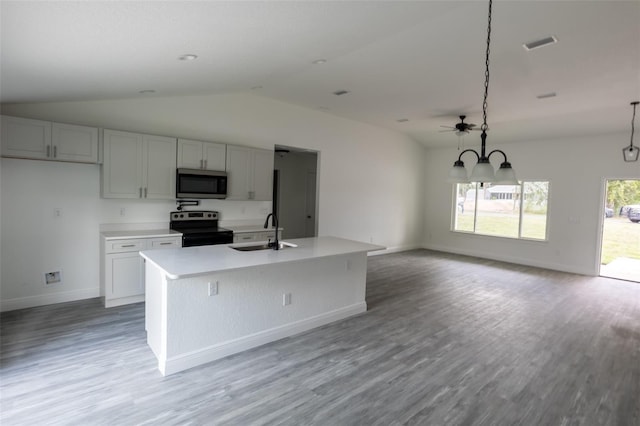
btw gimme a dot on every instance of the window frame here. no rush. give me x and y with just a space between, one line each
454 213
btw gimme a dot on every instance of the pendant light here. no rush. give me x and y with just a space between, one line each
630 153
483 171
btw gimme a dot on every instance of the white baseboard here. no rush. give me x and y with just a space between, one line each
187 360
47 299
510 259
396 249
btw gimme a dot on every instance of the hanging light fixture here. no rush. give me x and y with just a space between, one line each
483 171
630 153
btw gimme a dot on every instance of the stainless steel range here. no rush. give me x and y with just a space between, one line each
199 228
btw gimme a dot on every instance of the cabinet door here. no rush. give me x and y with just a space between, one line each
238 172
159 168
262 178
122 165
190 154
26 138
215 156
124 275
74 143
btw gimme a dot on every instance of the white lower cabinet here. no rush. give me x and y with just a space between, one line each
247 237
123 268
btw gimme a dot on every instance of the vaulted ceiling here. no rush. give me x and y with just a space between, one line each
411 66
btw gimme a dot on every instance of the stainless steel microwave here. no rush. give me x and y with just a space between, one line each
195 183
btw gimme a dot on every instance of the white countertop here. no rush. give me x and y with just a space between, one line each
192 261
140 233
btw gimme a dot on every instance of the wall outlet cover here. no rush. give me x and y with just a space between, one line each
54 277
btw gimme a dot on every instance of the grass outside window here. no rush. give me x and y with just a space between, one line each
510 211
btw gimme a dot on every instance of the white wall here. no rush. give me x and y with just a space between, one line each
370 183
576 169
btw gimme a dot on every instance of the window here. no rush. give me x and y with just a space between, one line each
511 211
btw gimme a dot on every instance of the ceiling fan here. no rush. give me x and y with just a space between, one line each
461 127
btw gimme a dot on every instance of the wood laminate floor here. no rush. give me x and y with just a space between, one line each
447 340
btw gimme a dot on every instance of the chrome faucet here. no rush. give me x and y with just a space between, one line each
275 245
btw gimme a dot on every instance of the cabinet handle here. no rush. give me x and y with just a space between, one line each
55 151
247 238
166 244
202 164
145 193
48 151
128 245
205 164
140 190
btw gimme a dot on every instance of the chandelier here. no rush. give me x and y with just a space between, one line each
483 171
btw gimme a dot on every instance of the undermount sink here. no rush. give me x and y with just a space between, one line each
263 246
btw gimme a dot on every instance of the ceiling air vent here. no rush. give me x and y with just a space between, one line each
540 43
547 95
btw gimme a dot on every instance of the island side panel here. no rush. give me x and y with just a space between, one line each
155 320
249 308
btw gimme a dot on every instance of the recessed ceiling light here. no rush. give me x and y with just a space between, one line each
402 120
340 92
547 95
147 91
319 61
188 57
540 43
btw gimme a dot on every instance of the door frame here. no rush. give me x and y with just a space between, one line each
601 218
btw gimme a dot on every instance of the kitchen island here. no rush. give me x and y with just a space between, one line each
205 303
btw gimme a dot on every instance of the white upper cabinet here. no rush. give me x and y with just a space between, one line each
74 143
250 173
159 167
138 166
201 155
44 140
262 178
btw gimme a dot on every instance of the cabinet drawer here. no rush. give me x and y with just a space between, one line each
121 246
264 236
165 243
244 237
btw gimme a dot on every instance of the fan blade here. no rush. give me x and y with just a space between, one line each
448 127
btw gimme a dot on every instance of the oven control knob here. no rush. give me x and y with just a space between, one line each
181 215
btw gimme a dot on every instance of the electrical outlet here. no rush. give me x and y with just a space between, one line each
213 288
54 277
286 299
57 212
123 211
348 264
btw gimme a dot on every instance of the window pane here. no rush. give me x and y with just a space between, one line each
464 207
498 210
534 215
